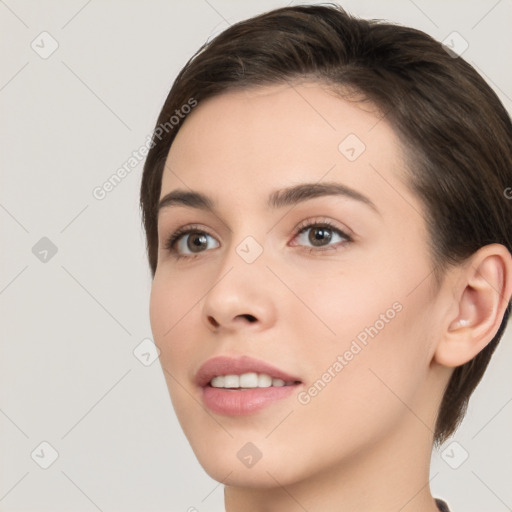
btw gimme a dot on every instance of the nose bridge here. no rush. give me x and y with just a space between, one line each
239 289
246 244
244 263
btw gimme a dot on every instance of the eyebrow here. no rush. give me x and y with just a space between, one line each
289 196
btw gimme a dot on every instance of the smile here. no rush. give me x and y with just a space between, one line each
242 385
249 380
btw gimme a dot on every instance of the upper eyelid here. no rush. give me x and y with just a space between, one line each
309 223
313 221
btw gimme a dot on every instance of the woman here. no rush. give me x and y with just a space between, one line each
328 229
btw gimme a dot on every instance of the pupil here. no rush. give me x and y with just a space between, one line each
323 235
197 240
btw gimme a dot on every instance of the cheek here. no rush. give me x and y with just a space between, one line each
370 331
171 309
171 317
344 306
365 399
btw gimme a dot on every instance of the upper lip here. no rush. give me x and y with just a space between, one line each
229 365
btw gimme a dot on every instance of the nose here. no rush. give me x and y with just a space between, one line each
241 296
246 316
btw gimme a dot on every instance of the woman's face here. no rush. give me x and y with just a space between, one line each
330 291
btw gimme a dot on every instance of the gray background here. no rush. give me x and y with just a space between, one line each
70 324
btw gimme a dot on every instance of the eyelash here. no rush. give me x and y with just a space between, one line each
170 245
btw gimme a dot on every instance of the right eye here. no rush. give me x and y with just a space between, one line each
188 238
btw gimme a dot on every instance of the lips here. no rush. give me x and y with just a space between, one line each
223 365
234 399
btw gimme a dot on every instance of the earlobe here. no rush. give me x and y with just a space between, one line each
485 288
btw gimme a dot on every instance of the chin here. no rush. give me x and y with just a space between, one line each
235 474
240 463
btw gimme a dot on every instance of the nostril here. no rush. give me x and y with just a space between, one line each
249 317
213 321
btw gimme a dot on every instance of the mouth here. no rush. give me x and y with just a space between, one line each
236 386
250 380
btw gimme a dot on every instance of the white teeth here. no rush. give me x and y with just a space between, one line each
231 381
264 381
218 382
249 380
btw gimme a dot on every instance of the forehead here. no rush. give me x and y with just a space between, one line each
244 143
276 120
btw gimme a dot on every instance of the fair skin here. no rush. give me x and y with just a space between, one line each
364 441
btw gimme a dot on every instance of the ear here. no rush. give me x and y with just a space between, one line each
482 293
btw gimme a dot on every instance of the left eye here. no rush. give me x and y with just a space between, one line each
321 235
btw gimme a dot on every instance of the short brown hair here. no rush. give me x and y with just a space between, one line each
456 133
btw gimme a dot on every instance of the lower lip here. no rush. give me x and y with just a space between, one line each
233 402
